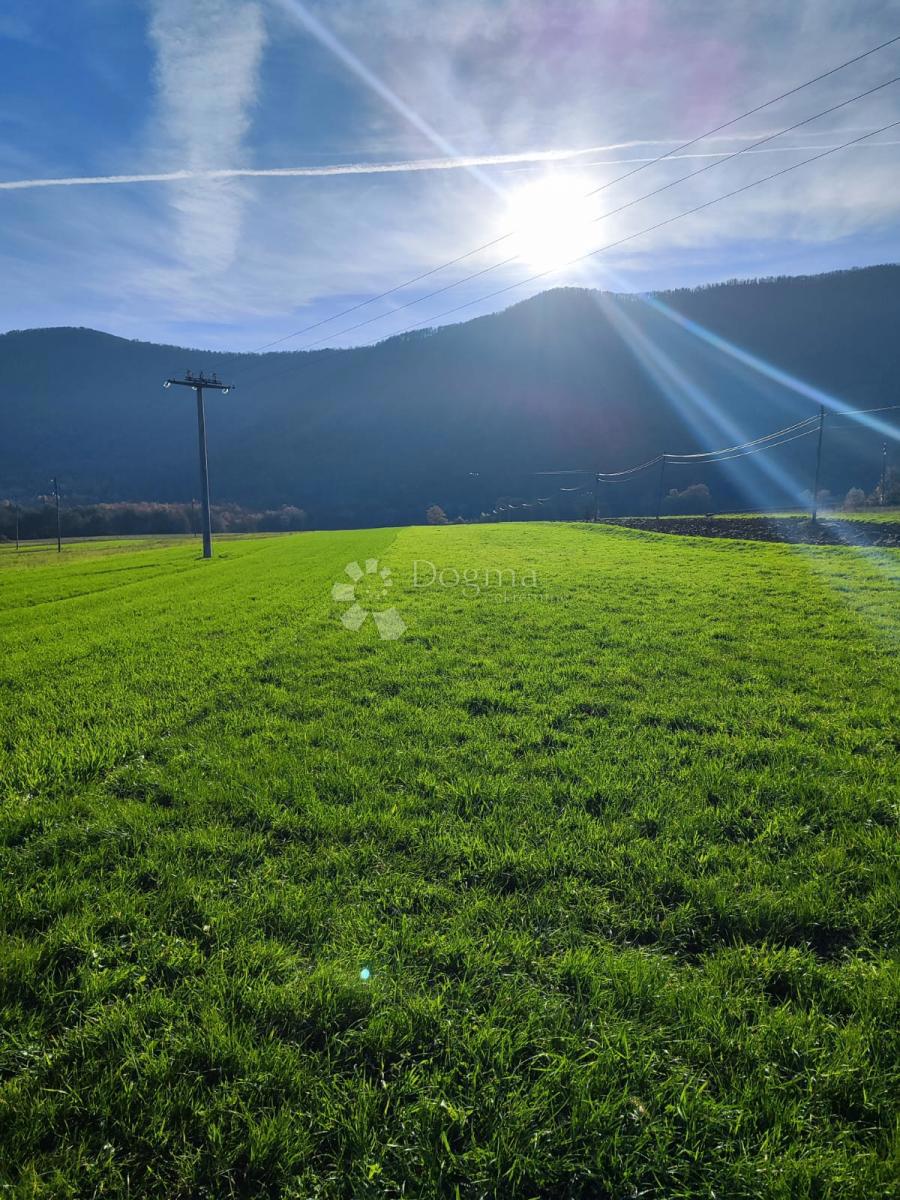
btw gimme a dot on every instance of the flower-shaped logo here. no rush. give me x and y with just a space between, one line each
369 593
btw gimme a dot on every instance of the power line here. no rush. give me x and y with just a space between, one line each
743 445
573 471
619 241
768 441
610 183
750 112
852 412
505 262
710 456
752 447
848 412
687 459
678 462
614 476
650 228
726 455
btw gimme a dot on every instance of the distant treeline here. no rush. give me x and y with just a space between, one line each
99 520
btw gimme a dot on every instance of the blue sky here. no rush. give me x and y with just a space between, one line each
569 96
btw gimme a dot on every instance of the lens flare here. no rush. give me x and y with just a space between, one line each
551 220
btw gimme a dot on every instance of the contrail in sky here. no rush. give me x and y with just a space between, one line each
376 168
360 168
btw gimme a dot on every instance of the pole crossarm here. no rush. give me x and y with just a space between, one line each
200 381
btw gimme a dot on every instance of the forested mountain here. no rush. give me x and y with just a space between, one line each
468 415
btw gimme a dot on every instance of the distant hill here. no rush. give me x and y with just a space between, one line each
468 414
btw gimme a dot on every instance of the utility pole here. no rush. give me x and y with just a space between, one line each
596 499
55 483
881 499
17 526
198 383
815 497
659 494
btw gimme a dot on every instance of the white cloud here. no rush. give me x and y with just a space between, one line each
15 28
208 58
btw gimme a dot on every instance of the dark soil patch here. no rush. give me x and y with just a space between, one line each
772 529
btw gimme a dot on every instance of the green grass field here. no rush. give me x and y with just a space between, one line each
584 886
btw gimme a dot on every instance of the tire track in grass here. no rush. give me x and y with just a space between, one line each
107 740
87 574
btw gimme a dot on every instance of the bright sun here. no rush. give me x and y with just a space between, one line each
551 221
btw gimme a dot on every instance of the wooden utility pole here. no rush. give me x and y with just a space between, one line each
659 494
881 499
198 383
815 496
17 526
55 482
